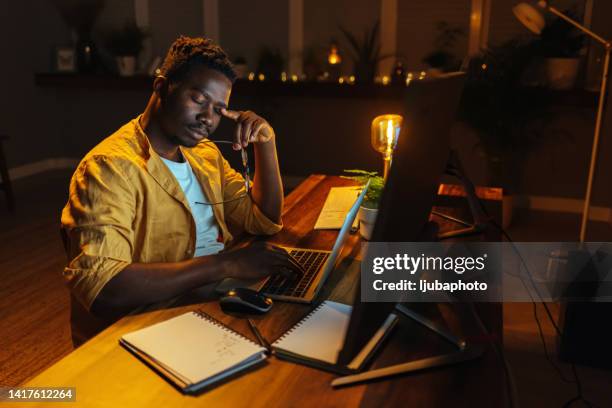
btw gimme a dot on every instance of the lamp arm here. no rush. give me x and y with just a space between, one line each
556 12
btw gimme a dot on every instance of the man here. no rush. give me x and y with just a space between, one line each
151 207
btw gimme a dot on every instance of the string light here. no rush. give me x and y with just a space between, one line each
251 76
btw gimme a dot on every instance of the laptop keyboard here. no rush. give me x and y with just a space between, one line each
311 261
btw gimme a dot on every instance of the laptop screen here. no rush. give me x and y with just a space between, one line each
346 226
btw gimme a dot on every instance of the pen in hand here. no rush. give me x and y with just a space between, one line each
260 338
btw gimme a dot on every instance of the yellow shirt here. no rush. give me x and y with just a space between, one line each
125 206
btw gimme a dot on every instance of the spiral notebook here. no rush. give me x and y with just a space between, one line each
318 337
193 350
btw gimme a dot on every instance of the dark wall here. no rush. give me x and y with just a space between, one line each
27 114
245 29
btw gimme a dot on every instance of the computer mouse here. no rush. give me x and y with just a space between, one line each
245 301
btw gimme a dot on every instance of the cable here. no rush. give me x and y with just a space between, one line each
510 384
579 396
457 170
535 310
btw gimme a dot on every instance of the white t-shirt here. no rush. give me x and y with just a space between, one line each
207 230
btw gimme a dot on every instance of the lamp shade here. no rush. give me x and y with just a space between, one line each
530 17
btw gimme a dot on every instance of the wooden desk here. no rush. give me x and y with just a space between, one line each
105 374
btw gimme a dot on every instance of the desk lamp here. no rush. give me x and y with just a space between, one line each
385 132
531 18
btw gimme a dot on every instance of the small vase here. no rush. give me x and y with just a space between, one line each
367 219
85 52
126 65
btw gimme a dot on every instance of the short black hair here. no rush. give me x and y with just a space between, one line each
186 52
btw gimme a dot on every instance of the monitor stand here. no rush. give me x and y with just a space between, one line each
463 353
481 220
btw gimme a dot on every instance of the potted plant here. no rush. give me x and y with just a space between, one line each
125 44
365 53
441 58
509 119
270 63
369 207
560 44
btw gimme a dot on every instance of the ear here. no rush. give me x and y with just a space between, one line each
160 86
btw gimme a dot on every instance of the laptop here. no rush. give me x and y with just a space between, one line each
317 264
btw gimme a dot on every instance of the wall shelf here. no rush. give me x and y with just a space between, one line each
241 87
573 98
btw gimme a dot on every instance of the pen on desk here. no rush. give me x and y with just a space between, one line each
260 338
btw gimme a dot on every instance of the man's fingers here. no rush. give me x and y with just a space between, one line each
237 136
288 260
230 114
259 126
286 271
300 269
247 125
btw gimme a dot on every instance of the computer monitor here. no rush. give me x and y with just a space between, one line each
419 162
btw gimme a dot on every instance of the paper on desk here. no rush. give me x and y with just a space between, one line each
337 205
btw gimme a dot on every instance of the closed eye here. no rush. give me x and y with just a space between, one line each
199 99
202 98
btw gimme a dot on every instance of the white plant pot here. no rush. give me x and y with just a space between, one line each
367 219
561 73
126 65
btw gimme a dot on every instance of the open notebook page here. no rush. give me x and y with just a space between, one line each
337 205
193 347
320 335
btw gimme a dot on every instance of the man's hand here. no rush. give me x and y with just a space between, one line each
259 260
250 128
267 192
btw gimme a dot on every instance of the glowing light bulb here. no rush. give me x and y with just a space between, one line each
385 132
389 134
